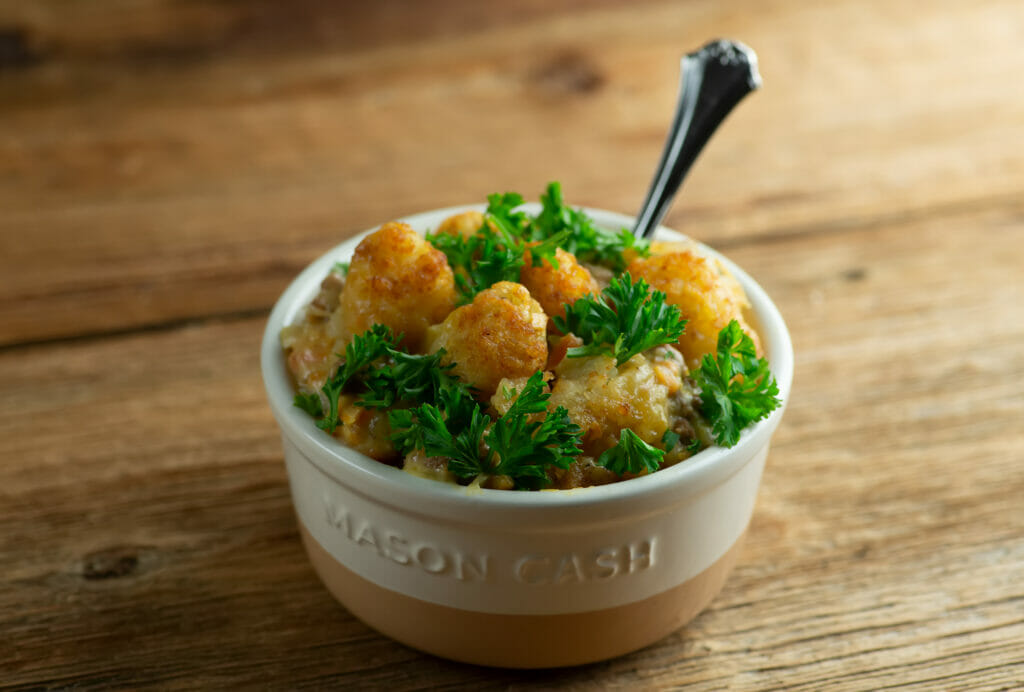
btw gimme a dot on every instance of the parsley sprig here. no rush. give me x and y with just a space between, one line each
631 455
526 447
388 374
481 260
521 444
496 251
501 210
625 319
585 240
407 377
517 227
447 421
451 429
359 354
737 388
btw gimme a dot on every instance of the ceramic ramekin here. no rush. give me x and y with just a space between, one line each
518 579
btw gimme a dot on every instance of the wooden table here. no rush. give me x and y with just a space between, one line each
166 168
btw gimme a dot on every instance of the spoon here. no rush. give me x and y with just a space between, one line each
714 79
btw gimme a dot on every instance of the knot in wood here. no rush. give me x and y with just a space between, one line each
110 563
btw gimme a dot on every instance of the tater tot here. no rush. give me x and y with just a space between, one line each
707 296
553 288
397 279
603 399
660 247
667 247
465 224
502 333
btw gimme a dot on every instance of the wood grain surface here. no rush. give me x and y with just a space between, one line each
166 166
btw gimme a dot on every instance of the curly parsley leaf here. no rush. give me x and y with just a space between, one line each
365 348
481 260
501 212
626 319
495 252
737 388
406 377
389 375
458 249
670 438
500 258
631 455
310 403
451 427
520 444
545 250
588 242
524 446
438 433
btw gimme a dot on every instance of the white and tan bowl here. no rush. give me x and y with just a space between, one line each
518 579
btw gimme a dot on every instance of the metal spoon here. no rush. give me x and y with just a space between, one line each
714 79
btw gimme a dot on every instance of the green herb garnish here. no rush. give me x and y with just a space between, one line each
359 354
631 455
389 374
670 439
521 444
737 388
501 211
626 319
452 431
586 241
481 260
310 403
525 447
407 377
495 252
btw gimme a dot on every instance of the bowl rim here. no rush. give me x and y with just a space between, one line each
383 483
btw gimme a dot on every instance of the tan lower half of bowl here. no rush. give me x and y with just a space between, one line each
519 641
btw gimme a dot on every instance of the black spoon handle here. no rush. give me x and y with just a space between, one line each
714 79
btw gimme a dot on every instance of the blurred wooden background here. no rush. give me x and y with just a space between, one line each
166 166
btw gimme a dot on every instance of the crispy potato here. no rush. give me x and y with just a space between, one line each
656 248
603 399
707 295
398 279
502 333
465 224
667 247
553 288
